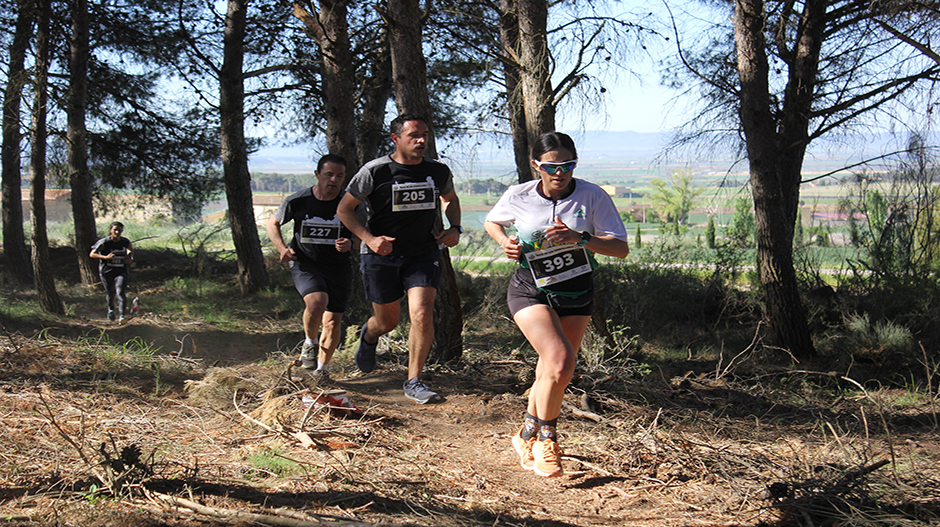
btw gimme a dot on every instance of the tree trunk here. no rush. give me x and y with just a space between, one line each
535 67
375 95
775 154
509 39
14 237
42 269
83 211
409 70
330 30
409 73
252 275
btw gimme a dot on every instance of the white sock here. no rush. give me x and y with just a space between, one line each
321 366
308 340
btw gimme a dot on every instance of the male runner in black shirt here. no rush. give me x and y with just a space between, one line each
400 254
319 259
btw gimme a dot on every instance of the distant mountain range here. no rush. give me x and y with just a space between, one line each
605 155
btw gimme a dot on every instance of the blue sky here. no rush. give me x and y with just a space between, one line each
635 100
632 106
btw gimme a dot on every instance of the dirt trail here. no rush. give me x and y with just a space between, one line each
465 441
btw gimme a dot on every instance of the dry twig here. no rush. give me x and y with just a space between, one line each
240 516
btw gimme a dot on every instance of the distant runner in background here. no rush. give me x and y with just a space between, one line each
113 253
318 257
560 222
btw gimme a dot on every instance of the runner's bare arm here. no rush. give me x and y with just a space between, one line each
346 210
284 252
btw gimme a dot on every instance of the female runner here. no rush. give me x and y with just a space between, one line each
560 222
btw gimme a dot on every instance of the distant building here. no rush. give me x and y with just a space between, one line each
617 191
107 207
58 205
264 206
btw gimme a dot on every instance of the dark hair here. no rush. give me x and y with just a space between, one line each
399 122
330 158
552 141
116 224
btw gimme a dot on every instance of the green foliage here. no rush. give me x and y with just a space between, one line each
673 203
627 216
893 219
94 495
638 238
272 461
819 235
160 155
197 243
743 228
884 340
710 232
482 186
613 354
281 183
666 307
673 229
798 228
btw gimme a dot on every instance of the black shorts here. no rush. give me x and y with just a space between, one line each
522 293
309 278
386 278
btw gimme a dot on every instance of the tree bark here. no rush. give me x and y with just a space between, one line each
14 237
83 211
775 148
409 73
515 106
535 67
376 92
42 269
409 69
252 275
330 29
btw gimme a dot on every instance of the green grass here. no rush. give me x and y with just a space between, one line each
272 461
211 301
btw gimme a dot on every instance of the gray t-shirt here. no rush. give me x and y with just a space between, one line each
402 201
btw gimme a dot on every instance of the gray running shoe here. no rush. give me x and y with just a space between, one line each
419 393
321 376
365 353
308 356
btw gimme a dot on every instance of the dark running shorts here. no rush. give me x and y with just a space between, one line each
386 278
309 278
522 293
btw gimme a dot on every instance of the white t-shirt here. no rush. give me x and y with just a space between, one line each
588 208
562 266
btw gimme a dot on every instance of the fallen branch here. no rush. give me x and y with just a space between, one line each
240 516
850 477
581 413
16 347
101 475
589 465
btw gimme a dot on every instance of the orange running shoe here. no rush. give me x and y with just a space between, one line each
547 455
524 449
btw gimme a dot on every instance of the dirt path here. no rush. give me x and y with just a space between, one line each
698 453
446 464
465 442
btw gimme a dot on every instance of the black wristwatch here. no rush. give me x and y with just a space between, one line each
458 227
585 238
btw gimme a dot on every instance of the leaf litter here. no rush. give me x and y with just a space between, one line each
110 440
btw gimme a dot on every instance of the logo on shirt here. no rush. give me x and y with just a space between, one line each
538 240
579 213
